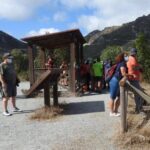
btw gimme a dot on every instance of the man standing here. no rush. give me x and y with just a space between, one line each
8 80
98 74
134 72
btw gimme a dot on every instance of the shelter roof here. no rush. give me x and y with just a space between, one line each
56 40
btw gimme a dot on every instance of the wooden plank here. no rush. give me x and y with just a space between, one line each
146 108
47 93
42 57
72 67
38 82
52 74
31 64
123 109
139 92
55 94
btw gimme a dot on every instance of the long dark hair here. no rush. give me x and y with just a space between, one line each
119 58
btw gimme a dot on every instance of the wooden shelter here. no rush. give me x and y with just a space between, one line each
70 38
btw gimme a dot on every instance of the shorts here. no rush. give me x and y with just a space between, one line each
97 79
9 91
114 88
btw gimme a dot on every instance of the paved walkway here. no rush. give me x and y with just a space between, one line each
85 126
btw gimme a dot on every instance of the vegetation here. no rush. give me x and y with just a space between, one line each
20 63
110 53
142 44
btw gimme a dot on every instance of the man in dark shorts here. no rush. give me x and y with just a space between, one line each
9 81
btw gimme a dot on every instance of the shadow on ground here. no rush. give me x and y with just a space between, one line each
83 107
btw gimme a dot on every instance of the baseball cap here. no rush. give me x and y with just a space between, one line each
7 55
133 51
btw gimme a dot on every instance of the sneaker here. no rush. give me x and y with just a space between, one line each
6 113
16 109
117 114
111 114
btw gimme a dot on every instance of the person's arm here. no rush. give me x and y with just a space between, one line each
2 80
123 71
2 77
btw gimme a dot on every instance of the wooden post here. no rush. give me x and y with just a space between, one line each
31 64
55 93
123 109
81 52
72 67
47 94
43 57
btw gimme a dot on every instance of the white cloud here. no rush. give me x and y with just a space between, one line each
42 31
107 12
74 3
59 16
19 9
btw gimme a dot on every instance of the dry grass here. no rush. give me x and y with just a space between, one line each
46 113
138 135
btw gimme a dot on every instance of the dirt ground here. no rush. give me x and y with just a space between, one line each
138 135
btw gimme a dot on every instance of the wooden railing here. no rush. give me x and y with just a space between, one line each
124 87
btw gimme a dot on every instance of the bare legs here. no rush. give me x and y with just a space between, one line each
114 105
13 102
5 103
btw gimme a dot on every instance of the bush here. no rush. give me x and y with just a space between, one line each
110 53
142 45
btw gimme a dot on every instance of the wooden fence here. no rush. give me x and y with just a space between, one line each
124 87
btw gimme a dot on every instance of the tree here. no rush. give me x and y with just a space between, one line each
142 45
20 62
110 53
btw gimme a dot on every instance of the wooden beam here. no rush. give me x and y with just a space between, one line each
72 67
31 64
81 52
123 109
55 94
43 57
47 93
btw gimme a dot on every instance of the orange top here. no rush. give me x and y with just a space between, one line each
133 68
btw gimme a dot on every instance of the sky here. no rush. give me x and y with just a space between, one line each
22 18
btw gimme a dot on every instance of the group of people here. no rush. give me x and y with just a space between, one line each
8 81
127 66
91 75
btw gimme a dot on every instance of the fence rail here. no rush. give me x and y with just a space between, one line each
124 87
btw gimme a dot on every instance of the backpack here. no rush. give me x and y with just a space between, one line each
110 72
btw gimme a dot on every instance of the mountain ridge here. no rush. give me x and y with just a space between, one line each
122 35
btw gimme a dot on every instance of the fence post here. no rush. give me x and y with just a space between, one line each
123 109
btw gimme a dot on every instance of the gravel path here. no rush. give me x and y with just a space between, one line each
85 126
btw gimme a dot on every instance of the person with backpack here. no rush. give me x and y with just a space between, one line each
118 74
134 71
9 81
107 66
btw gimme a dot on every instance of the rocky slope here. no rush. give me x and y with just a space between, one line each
117 35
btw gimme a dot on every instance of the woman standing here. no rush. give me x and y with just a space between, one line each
114 85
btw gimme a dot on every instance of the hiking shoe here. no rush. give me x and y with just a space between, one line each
6 113
16 109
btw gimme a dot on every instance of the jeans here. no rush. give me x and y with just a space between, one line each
137 98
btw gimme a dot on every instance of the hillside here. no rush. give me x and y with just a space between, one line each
7 43
117 35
